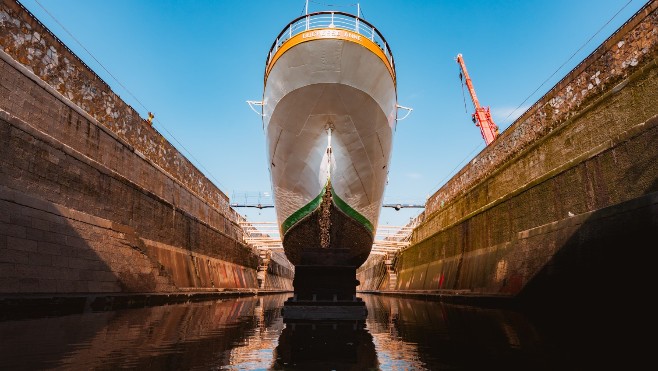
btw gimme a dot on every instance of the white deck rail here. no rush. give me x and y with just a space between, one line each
338 20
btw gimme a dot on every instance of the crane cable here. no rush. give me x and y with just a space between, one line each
126 89
579 49
450 173
571 57
333 5
461 78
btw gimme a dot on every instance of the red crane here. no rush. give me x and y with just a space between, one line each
482 115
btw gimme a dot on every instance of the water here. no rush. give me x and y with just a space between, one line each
250 334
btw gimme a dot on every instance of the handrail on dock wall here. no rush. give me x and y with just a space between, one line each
327 19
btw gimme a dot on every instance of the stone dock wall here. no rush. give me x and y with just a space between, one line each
564 203
92 197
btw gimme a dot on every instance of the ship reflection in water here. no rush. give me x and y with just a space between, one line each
250 334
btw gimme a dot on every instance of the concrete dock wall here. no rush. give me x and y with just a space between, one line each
372 275
564 203
92 197
279 272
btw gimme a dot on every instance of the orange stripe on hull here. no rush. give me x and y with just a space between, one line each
330 33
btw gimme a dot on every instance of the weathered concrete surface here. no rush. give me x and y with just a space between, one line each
279 272
372 273
376 274
565 202
93 198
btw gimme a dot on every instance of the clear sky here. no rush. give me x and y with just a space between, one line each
194 64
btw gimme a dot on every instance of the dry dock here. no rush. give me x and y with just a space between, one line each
93 200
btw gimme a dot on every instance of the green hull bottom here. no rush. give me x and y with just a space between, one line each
328 235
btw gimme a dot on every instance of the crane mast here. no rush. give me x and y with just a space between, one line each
482 115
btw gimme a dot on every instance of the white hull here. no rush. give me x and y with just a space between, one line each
329 92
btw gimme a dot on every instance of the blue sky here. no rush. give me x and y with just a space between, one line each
194 64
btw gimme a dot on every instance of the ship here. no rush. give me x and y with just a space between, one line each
329 113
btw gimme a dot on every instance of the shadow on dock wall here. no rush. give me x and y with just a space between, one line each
605 260
75 155
584 256
564 204
48 247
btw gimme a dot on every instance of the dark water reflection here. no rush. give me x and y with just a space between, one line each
250 334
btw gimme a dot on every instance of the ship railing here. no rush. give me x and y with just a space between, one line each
330 19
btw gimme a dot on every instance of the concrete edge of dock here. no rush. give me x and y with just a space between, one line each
463 297
22 306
